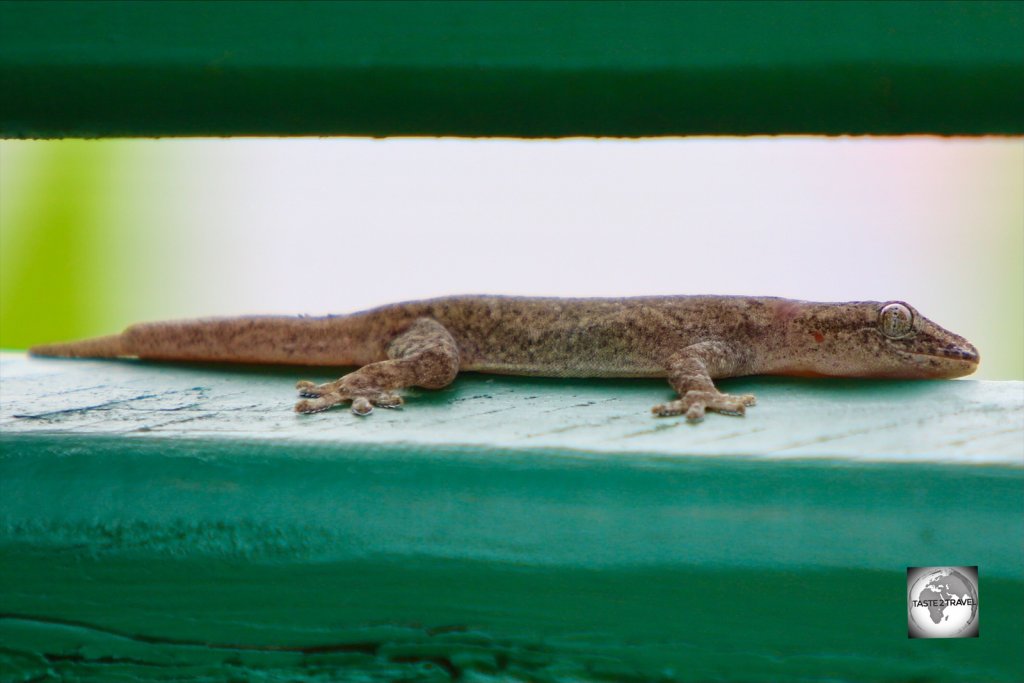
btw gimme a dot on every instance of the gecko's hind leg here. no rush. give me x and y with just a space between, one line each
689 373
425 355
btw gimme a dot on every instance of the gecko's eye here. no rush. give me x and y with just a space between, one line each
895 321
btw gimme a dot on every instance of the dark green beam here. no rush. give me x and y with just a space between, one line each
532 69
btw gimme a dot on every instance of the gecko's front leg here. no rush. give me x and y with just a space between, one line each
689 373
425 355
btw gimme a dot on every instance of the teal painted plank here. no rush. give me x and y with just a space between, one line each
164 522
940 421
192 554
525 69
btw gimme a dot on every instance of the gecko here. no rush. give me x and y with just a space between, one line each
689 340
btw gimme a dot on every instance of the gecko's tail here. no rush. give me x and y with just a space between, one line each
98 347
284 340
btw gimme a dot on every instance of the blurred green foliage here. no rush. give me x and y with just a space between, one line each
52 237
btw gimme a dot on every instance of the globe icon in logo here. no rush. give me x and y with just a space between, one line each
944 603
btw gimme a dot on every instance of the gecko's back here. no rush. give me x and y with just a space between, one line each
511 335
580 337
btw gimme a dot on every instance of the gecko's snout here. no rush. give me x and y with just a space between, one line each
956 359
965 352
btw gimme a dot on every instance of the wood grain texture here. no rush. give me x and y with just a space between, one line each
163 522
863 420
524 69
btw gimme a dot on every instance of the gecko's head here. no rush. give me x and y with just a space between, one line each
886 339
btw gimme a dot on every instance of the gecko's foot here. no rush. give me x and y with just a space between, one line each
695 402
362 404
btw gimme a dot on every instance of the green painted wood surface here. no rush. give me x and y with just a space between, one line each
526 69
164 522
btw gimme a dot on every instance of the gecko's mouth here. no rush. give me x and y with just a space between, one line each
954 360
964 353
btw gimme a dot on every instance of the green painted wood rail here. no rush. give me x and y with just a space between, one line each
166 522
523 69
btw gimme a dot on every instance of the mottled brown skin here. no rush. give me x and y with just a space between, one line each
691 340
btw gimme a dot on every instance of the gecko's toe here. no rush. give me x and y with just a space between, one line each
308 389
361 406
308 407
319 404
727 404
735 411
669 409
695 413
388 401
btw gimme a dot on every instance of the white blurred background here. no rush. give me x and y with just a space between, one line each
149 229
